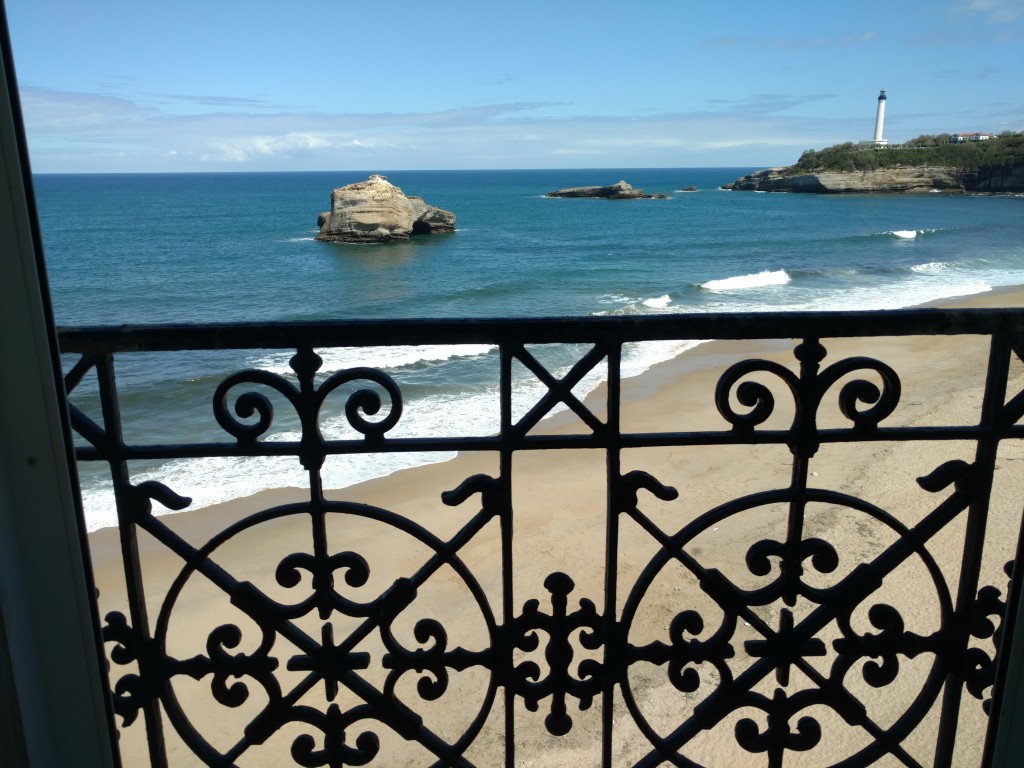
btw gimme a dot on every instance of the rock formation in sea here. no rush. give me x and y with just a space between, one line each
618 191
376 211
1008 178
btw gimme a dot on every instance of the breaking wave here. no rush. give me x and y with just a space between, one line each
743 282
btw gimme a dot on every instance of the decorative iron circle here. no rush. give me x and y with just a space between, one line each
331 722
806 733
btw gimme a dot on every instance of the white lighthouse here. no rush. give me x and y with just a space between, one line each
879 121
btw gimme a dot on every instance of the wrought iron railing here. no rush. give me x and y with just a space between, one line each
792 652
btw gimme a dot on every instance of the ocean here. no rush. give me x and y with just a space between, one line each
171 248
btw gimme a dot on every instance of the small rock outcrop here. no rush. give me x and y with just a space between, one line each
376 211
618 191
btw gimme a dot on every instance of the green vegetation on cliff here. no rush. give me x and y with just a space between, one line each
1005 149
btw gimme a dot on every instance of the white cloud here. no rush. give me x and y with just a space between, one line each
245 149
81 131
70 112
993 11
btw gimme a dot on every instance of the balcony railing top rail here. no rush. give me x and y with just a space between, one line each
362 333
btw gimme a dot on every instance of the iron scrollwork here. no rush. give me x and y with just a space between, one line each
307 399
988 625
340 659
333 662
559 626
808 388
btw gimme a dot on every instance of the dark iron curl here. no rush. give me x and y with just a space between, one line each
367 402
754 395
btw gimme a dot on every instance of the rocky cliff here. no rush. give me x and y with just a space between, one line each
996 179
376 211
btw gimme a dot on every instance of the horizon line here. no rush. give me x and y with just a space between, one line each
406 170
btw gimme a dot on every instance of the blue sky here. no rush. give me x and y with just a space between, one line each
220 85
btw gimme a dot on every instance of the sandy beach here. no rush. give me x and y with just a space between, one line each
559 499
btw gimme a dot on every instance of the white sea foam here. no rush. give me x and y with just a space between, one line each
931 268
300 240
214 480
658 302
616 298
909 293
627 305
897 295
374 357
639 357
742 282
909 234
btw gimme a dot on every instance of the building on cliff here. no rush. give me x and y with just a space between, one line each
962 137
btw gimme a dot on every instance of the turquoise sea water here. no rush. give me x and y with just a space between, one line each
239 247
